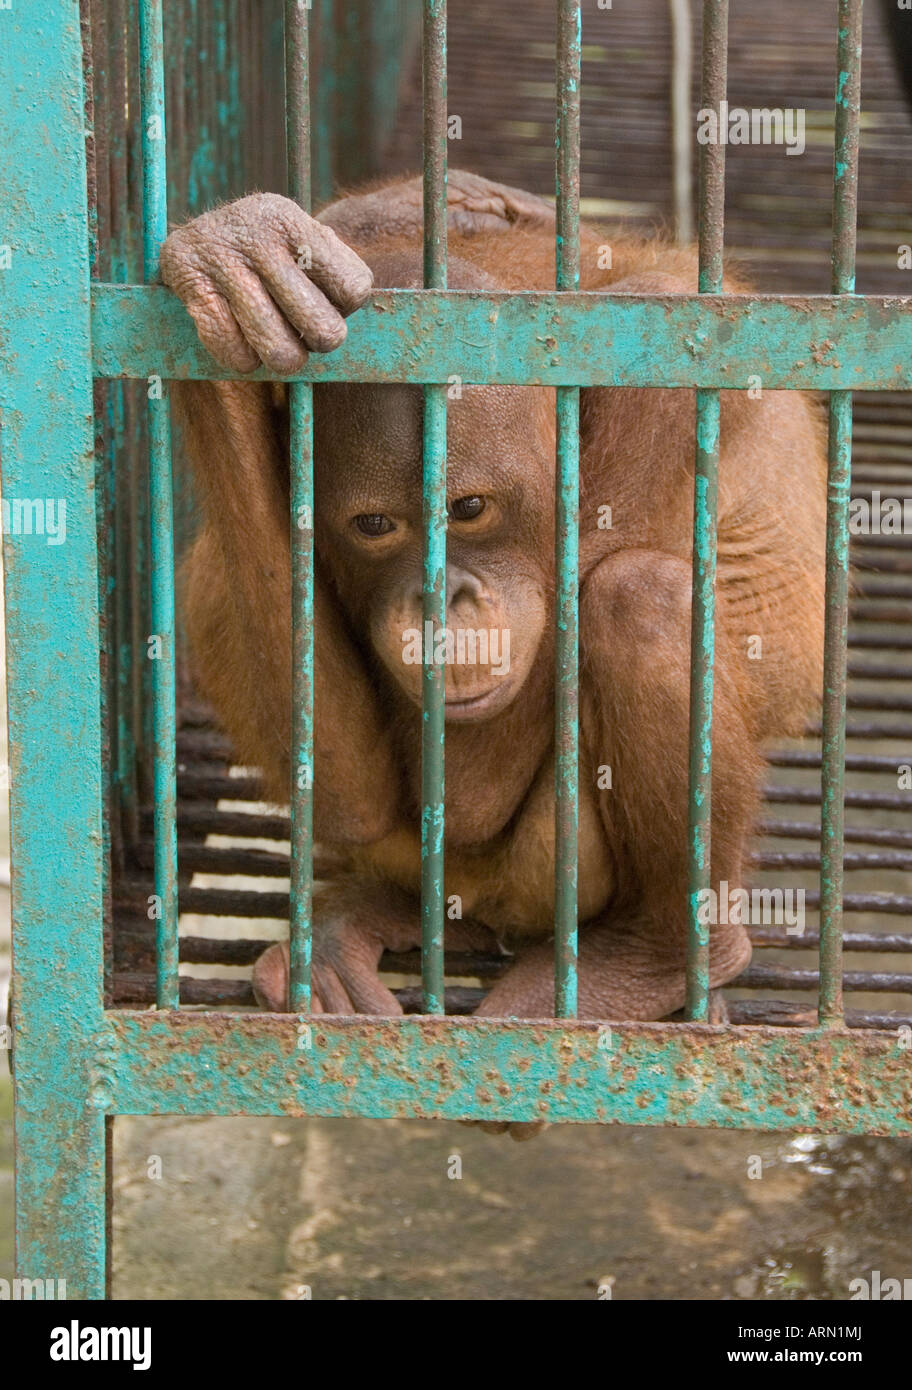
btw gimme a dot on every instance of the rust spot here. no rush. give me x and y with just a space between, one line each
821 351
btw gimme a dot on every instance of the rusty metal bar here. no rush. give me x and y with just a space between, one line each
702 633
136 410
540 338
125 569
434 519
161 649
566 652
297 107
427 1067
839 479
54 688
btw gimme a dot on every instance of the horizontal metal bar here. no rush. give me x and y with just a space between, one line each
870 941
883 860
858 981
869 801
132 991
792 1014
810 830
897 904
855 762
440 1068
239 902
546 338
243 951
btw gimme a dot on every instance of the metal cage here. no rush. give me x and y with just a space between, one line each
101 749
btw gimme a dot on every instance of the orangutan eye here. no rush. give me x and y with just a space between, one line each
467 508
374 524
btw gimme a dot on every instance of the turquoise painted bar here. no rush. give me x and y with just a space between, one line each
61 1086
454 1068
302 710
566 708
839 487
434 517
434 610
702 668
713 89
301 422
821 342
161 649
566 526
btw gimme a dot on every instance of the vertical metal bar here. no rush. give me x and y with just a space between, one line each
703 603
353 81
246 78
434 514
54 689
202 188
259 156
176 93
220 121
297 107
388 49
297 101
206 79
93 56
190 115
236 109
228 108
566 654
681 126
161 505
136 415
124 566
324 117
434 80
839 474
176 41
172 90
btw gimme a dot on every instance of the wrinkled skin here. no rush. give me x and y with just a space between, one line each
239 271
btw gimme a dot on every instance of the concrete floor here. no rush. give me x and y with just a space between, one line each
366 1209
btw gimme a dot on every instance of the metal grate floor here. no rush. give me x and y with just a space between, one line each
234 851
